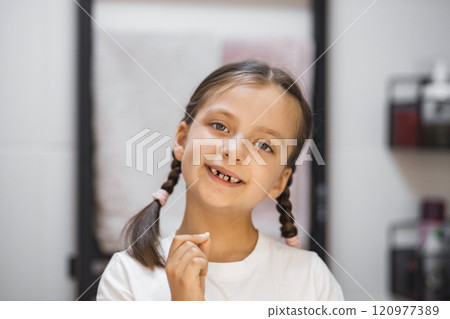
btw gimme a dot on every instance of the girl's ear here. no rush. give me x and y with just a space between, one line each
179 142
279 186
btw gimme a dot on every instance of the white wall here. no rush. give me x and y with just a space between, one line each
371 186
37 149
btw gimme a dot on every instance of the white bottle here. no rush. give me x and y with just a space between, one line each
434 266
436 96
436 107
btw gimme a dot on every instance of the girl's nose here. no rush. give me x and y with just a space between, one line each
234 149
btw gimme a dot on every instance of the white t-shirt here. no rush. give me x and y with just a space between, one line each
272 271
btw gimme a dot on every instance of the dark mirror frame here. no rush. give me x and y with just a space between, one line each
88 265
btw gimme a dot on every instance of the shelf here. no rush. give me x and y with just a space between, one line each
407 127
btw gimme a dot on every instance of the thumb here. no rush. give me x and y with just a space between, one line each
178 240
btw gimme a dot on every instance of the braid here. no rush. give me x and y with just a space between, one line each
174 174
286 219
142 230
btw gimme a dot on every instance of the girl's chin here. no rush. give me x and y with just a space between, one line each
216 200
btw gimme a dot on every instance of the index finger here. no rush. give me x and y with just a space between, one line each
178 240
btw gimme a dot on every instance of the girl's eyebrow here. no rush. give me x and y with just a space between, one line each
268 131
223 111
257 128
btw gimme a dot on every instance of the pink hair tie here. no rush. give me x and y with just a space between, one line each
161 195
293 241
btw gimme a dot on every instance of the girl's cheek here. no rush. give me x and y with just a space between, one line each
200 147
212 151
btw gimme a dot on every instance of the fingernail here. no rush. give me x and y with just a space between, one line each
205 235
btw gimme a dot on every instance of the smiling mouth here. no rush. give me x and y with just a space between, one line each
225 177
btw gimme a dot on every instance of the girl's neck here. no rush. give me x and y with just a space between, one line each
233 236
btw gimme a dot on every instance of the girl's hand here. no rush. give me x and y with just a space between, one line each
187 266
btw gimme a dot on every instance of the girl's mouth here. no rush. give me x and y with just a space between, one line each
222 178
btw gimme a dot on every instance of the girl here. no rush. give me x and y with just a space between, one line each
217 253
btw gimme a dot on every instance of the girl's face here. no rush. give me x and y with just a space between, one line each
230 116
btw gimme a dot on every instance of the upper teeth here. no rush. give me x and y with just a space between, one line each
224 177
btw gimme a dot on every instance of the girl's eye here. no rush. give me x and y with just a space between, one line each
219 126
265 147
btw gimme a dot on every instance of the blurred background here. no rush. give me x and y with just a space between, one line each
383 97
